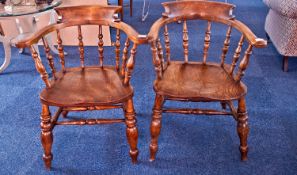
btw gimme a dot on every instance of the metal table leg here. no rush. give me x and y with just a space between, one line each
7 50
145 9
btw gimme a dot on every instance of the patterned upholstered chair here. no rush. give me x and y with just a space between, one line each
281 27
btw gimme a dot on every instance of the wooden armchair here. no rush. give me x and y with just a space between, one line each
98 87
201 81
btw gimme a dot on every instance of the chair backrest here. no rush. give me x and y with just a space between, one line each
212 13
88 15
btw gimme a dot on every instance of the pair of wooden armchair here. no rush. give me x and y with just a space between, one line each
106 87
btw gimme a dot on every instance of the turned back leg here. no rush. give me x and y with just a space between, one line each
156 126
46 135
242 128
131 131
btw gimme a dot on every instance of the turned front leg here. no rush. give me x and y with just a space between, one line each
242 128
131 131
46 136
156 126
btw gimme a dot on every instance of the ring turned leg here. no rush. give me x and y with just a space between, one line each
46 136
156 126
242 128
131 131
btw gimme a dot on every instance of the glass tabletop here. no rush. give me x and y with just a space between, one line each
26 9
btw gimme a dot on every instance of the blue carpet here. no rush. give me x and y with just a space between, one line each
187 145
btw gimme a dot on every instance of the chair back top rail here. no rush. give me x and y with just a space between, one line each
204 10
85 15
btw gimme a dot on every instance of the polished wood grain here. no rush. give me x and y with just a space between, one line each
81 47
226 45
185 42
206 42
196 81
204 80
167 43
100 46
49 56
85 88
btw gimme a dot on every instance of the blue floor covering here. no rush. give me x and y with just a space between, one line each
187 145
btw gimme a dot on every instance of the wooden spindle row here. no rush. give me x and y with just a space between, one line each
244 63
206 42
81 48
236 54
226 45
130 65
160 53
125 56
156 60
117 50
49 56
61 51
185 42
100 46
167 44
39 66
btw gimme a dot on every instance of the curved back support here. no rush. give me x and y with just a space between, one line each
87 15
210 12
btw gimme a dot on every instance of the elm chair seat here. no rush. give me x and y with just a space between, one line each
196 81
90 86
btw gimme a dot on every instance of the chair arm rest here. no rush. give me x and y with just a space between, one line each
34 38
284 7
249 35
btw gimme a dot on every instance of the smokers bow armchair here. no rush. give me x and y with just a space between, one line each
82 88
200 79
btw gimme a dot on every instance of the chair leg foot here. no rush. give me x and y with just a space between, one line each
285 63
46 136
242 128
156 126
131 130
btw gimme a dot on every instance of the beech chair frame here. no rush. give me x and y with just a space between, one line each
116 95
169 83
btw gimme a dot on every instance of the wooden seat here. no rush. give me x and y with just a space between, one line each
90 86
201 80
196 81
83 88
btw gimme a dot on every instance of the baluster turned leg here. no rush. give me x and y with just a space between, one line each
131 131
46 135
156 126
242 128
